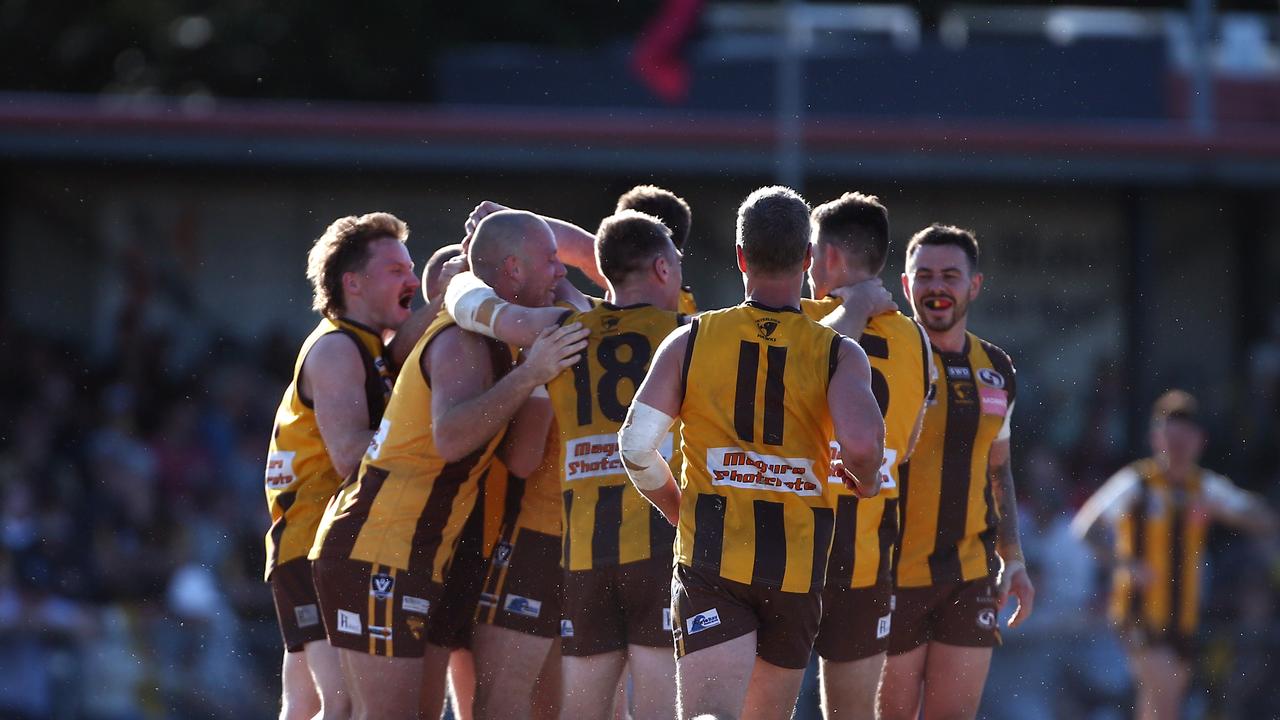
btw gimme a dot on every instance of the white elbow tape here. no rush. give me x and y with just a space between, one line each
641 435
473 304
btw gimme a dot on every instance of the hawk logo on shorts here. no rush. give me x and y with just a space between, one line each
416 626
991 377
566 628
987 619
502 554
522 606
703 621
381 585
765 327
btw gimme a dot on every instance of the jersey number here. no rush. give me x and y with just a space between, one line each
615 371
744 401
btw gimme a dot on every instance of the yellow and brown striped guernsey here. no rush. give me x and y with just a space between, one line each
406 505
756 442
1164 528
606 520
948 516
867 530
687 305
300 478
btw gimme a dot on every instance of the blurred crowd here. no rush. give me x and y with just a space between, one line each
133 513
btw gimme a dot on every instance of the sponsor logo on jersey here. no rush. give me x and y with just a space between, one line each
765 327
994 402
592 456
520 605
306 615
735 467
280 469
959 373
415 604
381 585
380 632
882 626
566 628
380 437
991 377
349 622
703 621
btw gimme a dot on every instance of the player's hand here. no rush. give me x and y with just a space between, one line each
555 349
1015 581
856 485
448 272
478 213
866 299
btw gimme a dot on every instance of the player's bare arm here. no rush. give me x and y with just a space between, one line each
574 245
525 442
855 415
333 377
476 307
467 407
860 302
1013 578
656 405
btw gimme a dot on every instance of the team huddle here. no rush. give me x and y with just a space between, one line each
536 503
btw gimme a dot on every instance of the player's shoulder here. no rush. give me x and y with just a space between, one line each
894 324
818 308
999 358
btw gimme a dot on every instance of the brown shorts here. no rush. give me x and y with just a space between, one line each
374 608
296 606
855 622
522 591
608 608
707 610
455 614
958 613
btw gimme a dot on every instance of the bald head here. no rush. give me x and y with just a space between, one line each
504 234
431 274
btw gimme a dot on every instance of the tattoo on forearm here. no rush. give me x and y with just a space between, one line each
1001 478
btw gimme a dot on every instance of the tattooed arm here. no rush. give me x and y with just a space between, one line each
1013 577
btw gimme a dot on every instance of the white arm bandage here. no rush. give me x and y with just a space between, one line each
638 441
473 304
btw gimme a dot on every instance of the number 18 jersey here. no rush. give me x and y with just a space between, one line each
606 520
756 441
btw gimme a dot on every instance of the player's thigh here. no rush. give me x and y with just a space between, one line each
588 682
772 691
326 674
954 677
507 666
462 683
546 688
900 685
298 697
435 670
653 681
849 688
381 687
713 680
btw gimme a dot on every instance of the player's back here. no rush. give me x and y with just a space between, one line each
607 522
756 441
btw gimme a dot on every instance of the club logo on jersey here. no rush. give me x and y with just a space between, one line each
765 327
384 372
502 554
381 585
666 619
987 619
882 626
991 377
703 621
413 604
959 372
349 622
380 437
609 323
306 615
280 469
592 456
416 626
380 632
962 392
566 628
522 606
740 468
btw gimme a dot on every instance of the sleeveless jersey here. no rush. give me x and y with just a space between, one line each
687 306
948 515
756 441
901 375
406 505
606 520
300 478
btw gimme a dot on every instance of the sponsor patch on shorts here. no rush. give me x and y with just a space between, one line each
666 619
703 621
349 622
381 585
566 628
987 619
380 632
522 606
502 554
415 604
882 626
306 615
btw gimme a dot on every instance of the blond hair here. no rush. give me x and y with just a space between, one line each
344 248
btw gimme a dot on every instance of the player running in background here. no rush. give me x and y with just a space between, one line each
674 212
850 244
384 543
363 283
761 390
1158 511
959 555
